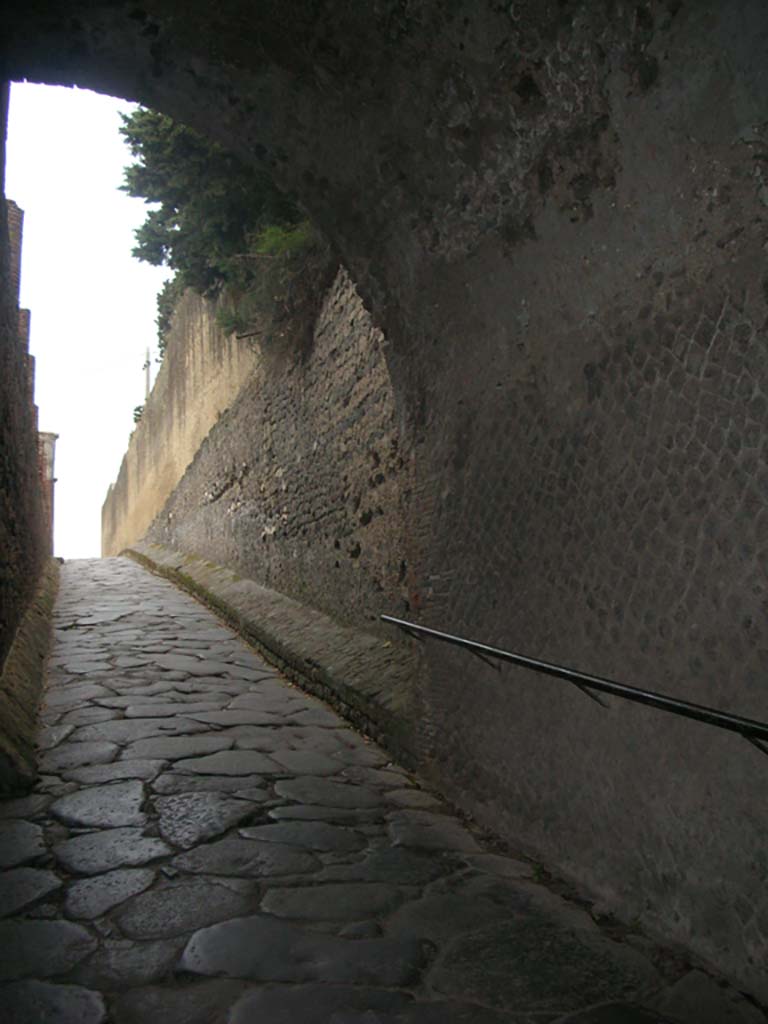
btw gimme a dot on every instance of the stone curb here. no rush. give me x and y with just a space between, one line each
368 680
21 685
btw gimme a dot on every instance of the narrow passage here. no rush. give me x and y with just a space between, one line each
207 844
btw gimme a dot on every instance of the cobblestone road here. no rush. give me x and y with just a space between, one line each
207 843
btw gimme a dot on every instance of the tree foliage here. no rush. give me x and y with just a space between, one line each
209 208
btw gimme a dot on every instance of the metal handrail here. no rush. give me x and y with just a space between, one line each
753 731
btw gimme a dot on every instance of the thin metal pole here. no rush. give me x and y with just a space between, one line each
746 727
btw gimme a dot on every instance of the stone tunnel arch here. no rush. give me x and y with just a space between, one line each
557 213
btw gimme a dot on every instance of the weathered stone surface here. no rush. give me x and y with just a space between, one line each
189 818
102 806
53 735
265 949
413 798
24 807
22 886
502 867
128 731
618 1013
124 963
317 1004
396 865
697 997
312 835
307 762
530 963
92 897
315 812
159 710
244 716
76 755
123 769
230 762
66 696
200 1003
173 748
323 791
89 715
350 902
180 907
20 841
25 1002
430 832
173 782
41 948
102 851
246 858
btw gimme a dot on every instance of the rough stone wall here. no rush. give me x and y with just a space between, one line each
301 484
201 375
22 527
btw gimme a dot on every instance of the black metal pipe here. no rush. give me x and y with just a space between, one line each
747 727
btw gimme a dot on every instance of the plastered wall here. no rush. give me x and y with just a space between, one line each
202 373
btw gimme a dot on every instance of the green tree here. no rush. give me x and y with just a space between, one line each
209 207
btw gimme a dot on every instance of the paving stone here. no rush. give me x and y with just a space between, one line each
318 716
200 1003
127 731
191 665
316 1004
24 806
189 818
378 778
103 806
430 831
22 886
41 948
417 799
229 762
254 737
392 864
323 791
179 783
92 897
316 812
20 841
40 1002
96 852
173 748
168 710
179 908
266 949
64 696
77 755
312 835
122 963
236 716
84 666
52 736
132 769
457 905
246 858
622 1013
503 867
360 752
349 902
697 997
307 762
89 715
531 963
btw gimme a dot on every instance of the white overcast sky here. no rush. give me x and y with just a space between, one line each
92 304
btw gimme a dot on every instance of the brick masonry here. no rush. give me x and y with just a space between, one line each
302 482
